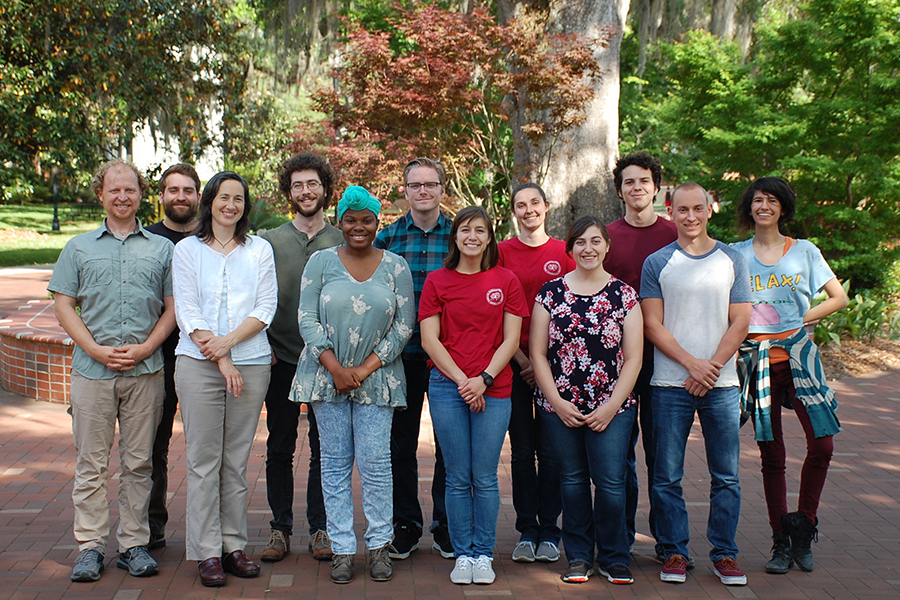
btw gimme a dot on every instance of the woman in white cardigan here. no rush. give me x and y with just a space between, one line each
225 296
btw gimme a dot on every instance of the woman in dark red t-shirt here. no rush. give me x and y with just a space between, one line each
535 258
470 317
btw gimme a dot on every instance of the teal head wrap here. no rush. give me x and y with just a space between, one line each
357 197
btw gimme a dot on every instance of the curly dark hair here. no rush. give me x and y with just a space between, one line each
774 186
641 159
303 161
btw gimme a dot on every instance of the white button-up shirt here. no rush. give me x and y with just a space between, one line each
246 275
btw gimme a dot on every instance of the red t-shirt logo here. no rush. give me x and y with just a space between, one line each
495 297
552 267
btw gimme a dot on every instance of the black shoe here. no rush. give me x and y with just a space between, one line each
442 543
803 533
782 559
157 540
405 541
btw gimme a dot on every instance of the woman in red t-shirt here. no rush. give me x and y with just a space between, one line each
535 258
470 317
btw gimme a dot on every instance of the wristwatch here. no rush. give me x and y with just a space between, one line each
488 380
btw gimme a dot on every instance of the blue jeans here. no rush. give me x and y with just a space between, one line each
535 488
673 412
584 456
471 443
362 431
282 420
643 426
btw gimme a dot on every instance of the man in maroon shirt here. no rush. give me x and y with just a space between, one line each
633 238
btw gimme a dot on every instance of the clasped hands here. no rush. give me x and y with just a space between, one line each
703 375
347 379
122 358
216 348
472 391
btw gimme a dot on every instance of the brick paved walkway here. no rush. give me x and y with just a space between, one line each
21 284
856 556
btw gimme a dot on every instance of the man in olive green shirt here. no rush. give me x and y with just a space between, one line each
119 277
308 182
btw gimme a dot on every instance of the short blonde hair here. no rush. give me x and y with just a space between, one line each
100 174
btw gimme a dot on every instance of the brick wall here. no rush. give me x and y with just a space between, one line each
35 354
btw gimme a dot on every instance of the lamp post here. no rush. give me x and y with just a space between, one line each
55 226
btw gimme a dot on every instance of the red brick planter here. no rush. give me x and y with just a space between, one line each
35 353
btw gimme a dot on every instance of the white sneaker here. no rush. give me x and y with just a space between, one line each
482 572
462 572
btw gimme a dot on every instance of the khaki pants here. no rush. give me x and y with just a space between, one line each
96 404
218 433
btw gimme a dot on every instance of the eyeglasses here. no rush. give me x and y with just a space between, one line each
313 186
428 185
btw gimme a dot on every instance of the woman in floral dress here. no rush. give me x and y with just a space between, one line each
356 315
586 345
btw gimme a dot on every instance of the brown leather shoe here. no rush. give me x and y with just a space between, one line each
277 547
211 573
320 546
239 565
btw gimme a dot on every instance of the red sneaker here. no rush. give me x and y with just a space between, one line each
675 569
729 572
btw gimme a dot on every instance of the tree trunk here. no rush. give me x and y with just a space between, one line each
721 21
580 180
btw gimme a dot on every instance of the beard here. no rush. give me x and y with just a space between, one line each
309 212
180 213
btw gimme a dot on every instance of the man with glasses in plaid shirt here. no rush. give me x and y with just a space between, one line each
422 237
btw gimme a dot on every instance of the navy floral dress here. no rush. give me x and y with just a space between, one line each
585 351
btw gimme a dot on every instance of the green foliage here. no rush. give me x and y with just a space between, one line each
26 236
39 219
258 140
865 318
77 76
816 102
264 216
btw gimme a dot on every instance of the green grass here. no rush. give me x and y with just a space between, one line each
18 248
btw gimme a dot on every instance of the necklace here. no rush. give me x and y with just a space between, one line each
226 243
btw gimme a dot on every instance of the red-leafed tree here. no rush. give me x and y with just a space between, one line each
446 84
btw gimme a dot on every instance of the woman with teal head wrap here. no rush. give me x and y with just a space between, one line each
357 197
357 311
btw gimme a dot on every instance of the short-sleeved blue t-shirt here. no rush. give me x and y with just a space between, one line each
782 292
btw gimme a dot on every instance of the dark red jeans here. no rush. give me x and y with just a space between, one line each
815 466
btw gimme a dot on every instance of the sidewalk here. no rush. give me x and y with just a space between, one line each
857 556
21 284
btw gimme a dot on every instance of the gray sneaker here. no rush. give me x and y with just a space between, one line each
138 562
88 565
524 552
547 552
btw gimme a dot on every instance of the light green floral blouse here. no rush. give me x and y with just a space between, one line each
353 319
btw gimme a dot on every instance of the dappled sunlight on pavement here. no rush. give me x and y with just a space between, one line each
857 556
